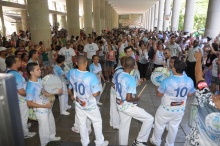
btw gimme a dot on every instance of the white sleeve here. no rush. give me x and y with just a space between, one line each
96 47
85 48
60 52
73 52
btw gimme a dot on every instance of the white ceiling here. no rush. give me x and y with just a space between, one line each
124 6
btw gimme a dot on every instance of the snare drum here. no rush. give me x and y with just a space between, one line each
52 84
193 112
159 74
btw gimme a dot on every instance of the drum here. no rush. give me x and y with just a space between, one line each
159 74
193 112
51 84
32 115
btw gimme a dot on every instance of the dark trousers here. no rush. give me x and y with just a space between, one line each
143 69
190 71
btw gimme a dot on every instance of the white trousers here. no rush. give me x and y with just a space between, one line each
47 128
98 97
162 118
125 120
114 115
63 99
95 117
24 112
88 123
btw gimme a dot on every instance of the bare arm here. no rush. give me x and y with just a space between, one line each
198 67
22 92
158 93
30 103
129 98
96 94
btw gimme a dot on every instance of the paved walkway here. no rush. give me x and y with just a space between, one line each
149 101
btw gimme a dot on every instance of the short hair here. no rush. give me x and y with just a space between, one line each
31 53
129 63
10 60
81 60
30 67
167 49
23 55
215 46
94 56
180 66
60 59
122 60
174 58
128 47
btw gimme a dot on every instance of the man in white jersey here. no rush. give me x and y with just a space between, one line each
86 88
126 86
69 54
114 115
90 49
13 64
174 91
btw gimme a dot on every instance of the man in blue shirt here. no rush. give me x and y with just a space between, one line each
174 91
13 63
125 85
86 88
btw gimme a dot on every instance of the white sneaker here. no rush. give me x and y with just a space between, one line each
99 103
56 139
65 113
28 125
30 134
138 143
68 107
105 143
74 129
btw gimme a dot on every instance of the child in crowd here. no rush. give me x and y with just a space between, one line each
96 68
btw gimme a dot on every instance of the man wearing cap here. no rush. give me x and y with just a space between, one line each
3 52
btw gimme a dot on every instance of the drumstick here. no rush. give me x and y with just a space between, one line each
142 90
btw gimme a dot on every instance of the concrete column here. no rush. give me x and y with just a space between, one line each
146 19
116 19
156 14
189 15
18 25
96 13
143 20
63 22
87 7
54 16
72 7
175 14
149 19
152 17
110 14
160 15
166 14
39 26
106 14
102 14
113 17
212 28
2 21
24 20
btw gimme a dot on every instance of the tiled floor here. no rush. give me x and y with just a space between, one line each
149 101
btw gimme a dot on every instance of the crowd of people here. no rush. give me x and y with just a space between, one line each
125 58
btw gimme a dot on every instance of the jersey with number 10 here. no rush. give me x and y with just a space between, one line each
84 84
175 89
124 83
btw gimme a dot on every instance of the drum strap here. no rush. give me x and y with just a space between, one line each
118 69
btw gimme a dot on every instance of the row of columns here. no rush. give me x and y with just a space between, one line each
159 14
104 17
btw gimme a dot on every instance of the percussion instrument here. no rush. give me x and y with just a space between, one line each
52 84
159 74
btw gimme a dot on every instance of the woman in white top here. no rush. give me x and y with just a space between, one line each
159 56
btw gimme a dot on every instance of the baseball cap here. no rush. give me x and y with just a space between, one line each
2 49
